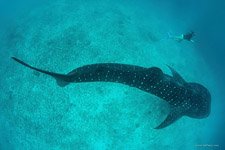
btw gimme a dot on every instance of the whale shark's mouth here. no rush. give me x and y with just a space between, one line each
201 102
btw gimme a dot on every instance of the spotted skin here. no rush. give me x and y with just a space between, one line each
185 99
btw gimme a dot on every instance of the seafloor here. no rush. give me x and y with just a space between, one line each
62 35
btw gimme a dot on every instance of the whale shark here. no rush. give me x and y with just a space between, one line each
184 98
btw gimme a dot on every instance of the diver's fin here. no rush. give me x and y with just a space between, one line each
177 76
173 116
62 80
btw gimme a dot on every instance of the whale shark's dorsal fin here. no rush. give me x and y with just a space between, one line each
173 116
177 76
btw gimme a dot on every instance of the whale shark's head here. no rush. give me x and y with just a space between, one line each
200 101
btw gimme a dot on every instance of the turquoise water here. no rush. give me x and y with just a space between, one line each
61 35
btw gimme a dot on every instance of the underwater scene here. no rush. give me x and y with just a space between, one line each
112 75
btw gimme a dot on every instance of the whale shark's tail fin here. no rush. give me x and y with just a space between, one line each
62 79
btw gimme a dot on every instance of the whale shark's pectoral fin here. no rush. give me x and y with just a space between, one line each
177 76
173 116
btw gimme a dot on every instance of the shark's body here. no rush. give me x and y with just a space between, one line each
185 99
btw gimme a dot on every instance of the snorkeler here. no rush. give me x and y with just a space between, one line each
188 36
